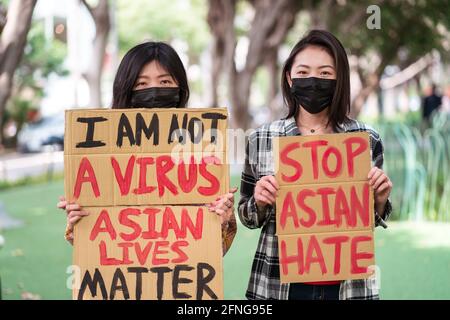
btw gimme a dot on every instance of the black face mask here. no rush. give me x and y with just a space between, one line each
313 94
156 97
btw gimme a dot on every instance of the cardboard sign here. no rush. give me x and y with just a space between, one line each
144 176
144 252
145 156
324 209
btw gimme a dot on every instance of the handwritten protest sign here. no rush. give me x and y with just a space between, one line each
144 175
144 252
165 156
324 210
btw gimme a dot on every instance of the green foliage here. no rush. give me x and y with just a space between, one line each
162 20
17 111
42 57
44 54
417 161
413 26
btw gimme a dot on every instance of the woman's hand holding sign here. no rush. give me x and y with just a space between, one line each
223 206
74 214
382 187
266 191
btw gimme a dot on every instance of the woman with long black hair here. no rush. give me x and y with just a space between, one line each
316 91
152 75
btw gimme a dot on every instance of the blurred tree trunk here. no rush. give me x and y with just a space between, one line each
271 63
370 83
12 42
220 19
371 80
102 20
270 25
319 12
418 84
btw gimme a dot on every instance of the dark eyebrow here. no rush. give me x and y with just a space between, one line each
321 67
326 66
160 76
303 65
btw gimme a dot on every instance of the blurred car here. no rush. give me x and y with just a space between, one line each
46 134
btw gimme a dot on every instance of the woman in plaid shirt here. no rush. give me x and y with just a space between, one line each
316 90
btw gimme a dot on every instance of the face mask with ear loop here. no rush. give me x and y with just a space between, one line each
156 97
313 94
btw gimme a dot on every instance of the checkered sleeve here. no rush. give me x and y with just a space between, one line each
378 159
249 214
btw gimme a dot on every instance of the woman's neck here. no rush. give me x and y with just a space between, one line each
318 121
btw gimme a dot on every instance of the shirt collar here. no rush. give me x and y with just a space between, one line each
291 129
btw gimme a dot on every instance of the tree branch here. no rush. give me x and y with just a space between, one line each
89 8
268 15
284 24
408 73
12 43
358 15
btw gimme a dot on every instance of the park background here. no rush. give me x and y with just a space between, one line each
56 55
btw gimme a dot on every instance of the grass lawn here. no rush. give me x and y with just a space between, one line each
414 259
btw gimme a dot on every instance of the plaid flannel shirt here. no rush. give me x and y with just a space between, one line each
264 280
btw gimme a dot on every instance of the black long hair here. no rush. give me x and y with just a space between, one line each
133 62
340 106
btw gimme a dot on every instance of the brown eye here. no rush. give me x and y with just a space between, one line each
166 82
302 73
